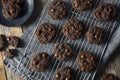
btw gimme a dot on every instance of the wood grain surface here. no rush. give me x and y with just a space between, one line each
6 74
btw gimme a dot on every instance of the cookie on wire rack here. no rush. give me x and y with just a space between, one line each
105 12
81 5
85 61
57 9
40 61
95 35
62 51
45 33
64 73
72 29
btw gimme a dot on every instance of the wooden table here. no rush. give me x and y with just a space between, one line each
6 74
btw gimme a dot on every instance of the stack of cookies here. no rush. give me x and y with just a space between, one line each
12 8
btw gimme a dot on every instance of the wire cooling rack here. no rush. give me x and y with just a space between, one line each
20 65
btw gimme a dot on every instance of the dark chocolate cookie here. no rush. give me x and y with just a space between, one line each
40 62
105 12
45 33
9 53
85 61
95 35
62 51
81 4
109 77
13 41
72 29
11 11
57 9
64 73
2 42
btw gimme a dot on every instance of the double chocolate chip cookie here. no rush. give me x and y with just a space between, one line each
72 29
13 41
64 73
57 9
81 4
62 51
85 61
40 62
105 12
11 12
11 8
109 77
45 33
95 35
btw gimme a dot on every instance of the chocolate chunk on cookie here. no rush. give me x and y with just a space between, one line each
81 4
9 53
11 11
40 62
105 12
109 77
85 61
62 51
57 9
46 33
64 73
95 35
72 29
13 41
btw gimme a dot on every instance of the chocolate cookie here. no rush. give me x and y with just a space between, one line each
105 12
2 42
57 9
81 4
85 61
11 11
95 35
109 77
62 51
40 62
13 41
9 53
64 73
72 29
45 33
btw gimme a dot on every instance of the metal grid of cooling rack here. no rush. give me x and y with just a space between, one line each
81 44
